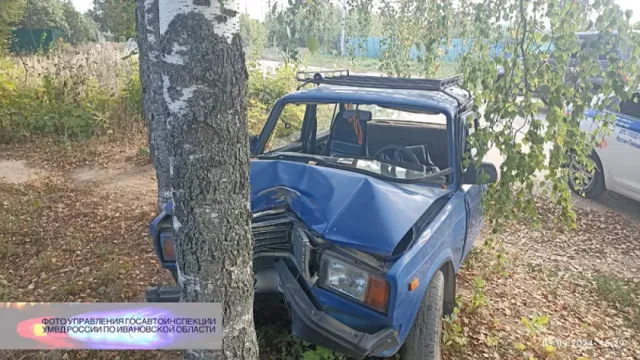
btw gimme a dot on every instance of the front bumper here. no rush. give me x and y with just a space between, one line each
314 325
308 322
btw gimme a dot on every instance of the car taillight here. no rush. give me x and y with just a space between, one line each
167 245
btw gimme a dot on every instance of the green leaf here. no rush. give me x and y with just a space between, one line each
312 44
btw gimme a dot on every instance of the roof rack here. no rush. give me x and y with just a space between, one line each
343 78
305 76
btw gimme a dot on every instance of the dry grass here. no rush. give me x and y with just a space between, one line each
102 62
70 94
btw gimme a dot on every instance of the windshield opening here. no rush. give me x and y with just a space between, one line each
387 141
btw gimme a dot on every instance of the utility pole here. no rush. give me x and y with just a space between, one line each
344 20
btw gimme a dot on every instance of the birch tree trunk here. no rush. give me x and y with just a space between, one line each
203 77
147 27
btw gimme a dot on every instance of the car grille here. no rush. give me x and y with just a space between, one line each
272 236
277 236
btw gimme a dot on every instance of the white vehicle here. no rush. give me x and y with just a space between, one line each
616 159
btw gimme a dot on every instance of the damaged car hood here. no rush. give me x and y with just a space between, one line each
344 207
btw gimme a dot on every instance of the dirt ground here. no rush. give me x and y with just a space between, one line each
75 228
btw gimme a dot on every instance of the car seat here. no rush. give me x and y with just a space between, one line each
422 153
349 133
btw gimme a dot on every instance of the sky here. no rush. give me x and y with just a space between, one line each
258 8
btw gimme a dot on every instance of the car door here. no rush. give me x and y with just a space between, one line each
620 156
473 194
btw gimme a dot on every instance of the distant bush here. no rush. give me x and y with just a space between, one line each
266 86
70 94
76 93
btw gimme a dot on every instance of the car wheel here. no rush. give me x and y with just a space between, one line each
589 184
424 339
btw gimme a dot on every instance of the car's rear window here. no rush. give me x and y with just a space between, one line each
385 113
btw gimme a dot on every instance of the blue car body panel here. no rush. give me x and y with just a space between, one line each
341 205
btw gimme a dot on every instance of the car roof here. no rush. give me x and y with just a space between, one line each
415 99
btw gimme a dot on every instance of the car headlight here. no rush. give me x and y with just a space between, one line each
167 244
354 282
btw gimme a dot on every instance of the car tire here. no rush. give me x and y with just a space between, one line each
424 339
597 185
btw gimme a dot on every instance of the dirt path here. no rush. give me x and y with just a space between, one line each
18 172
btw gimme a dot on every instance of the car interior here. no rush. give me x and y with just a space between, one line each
355 133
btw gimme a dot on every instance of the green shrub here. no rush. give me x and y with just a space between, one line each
264 89
72 94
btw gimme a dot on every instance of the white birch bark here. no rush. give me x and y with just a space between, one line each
203 84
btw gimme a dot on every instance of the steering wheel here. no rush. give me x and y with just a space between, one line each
397 153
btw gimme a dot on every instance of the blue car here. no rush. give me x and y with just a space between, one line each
362 212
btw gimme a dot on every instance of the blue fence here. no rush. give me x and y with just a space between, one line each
456 48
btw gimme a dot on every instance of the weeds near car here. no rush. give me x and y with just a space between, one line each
478 297
453 335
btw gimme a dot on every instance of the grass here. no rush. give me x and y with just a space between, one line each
617 290
621 293
7 249
7 290
45 261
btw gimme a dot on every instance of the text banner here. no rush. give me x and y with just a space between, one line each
110 326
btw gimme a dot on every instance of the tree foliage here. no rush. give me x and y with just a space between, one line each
53 14
254 35
539 45
296 26
316 25
536 45
117 17
413 24
81 26
45 14
359 25
11 14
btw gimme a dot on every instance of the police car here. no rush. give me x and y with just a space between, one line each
616 160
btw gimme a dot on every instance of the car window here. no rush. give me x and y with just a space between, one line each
324 115
288 128
631 107
385 113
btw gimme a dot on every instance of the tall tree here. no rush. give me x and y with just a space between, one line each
148 29
204 77
81 26
11 14
115 16
44 14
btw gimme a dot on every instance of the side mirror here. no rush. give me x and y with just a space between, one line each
472 175
253 141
